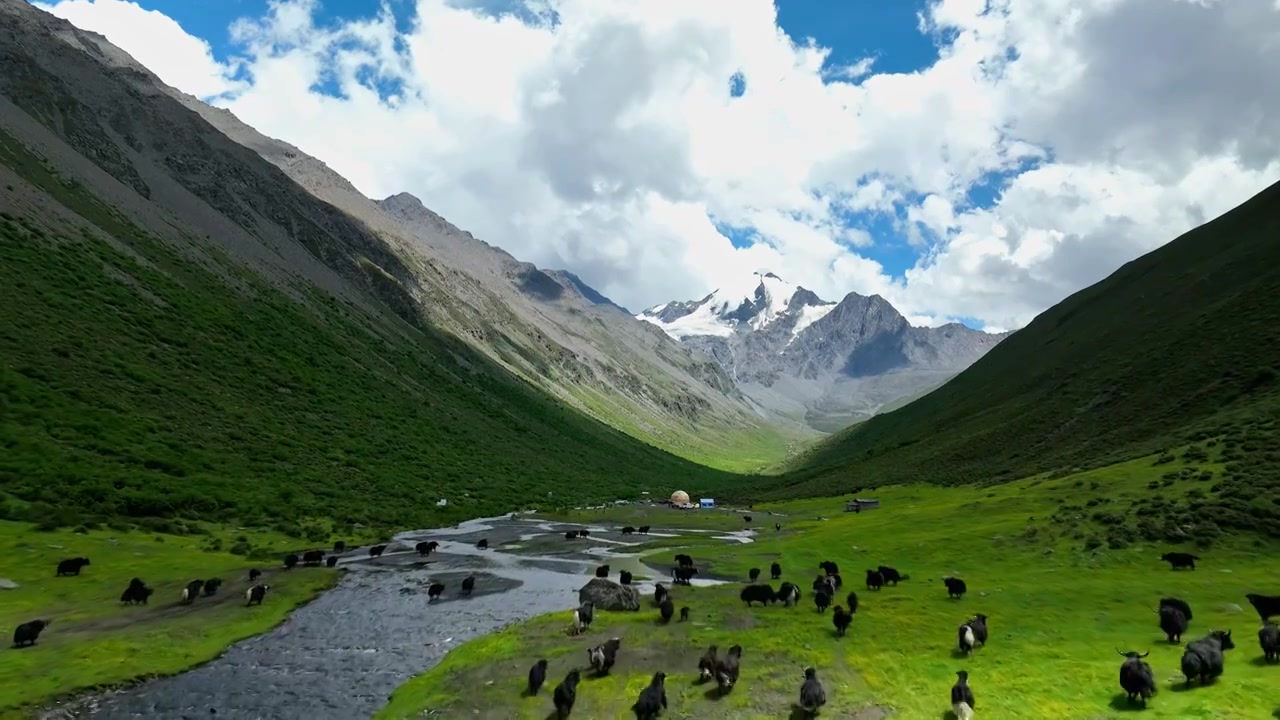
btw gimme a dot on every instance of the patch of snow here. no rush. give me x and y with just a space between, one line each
809 315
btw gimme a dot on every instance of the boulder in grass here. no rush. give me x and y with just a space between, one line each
608 595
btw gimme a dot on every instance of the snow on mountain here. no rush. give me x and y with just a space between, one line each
752 304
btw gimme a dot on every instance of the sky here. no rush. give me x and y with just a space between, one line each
968 160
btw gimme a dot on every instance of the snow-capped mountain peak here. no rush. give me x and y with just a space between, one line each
752 304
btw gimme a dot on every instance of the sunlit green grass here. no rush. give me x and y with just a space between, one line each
1057 614
95 641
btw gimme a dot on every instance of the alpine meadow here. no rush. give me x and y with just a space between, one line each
1000 437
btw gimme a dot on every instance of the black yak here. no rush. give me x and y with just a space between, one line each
1180 560
331 561
255 594
1268 606
972 633
137 593
775 571
468 584
537 676
1174 617
684 613
788 593
312 557
746 518
829 567
728 668
72 566
1136 677
666 610
583 616
762 594
192 590
875 580
653 699
821 600
1269 639
624 577
434 591
28 632
426 547
852 602
628 530
290 561
684 560
566 694
891 576
955 587
841 620
962 696
570 535
753 574
340 546
660 593
812 696
683 575
602 571
603 656
707 663
584 533
483 544
643 530
211 586
377 550
1203 658
254 574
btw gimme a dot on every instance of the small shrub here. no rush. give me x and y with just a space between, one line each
1164 459
241 548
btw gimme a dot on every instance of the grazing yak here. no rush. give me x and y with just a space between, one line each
1269 639
537 676
377 550
955 587
775 571
468 584
434 592
728 668
852 602
192 590
789 594
762 594
603 656
812 696
331 561
1203 658
653 699
624 577
972 633
891 576
1136 678
667 609
962 696
27 633
1180 560
644 530
753 574
566 693
602 571
1268 606
290 561
684 613
821 600
707 663
841 620
660 593
211 586
137 593
312 557
683 575
256 594
875 580
1175 615
72 566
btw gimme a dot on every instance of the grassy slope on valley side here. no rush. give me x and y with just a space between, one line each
1057 613
1182 343
135 381
95 641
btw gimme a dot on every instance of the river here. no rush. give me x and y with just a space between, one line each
343 654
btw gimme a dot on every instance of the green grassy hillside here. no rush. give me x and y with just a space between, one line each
137 381
1057 614
1182 344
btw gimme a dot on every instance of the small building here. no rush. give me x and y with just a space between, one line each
706 503
860 504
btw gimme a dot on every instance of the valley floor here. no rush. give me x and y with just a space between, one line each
1058 613
95 641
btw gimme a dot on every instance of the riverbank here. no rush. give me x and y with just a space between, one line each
1057 611
96 642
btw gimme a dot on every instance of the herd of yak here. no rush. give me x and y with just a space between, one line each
1202 659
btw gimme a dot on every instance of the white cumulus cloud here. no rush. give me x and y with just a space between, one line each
603 137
